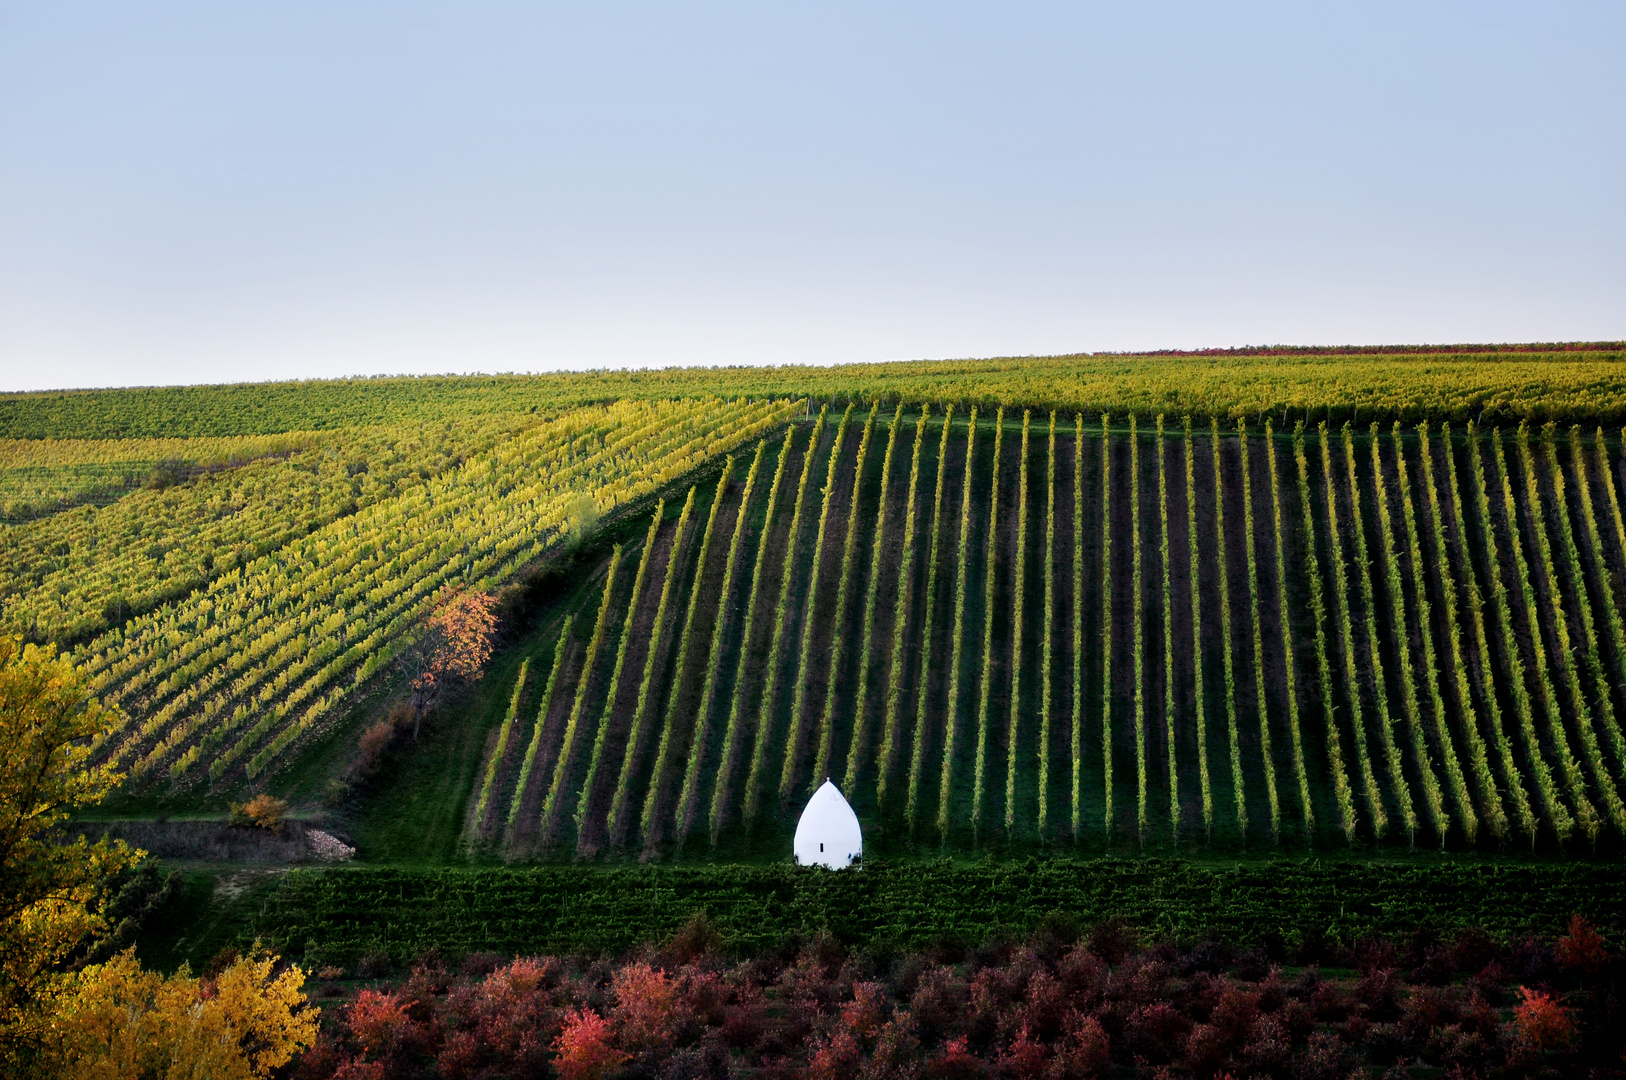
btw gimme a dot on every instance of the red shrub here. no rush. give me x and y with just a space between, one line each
646 1011
1024 1057
352 1069
836 1057
380 1023
1207 1049
897 1050
1582 949
936 1005
1042 1010
864 1014
1268 1048
1235 1014
505 1023
1426 1010
1156 1032
1543 1023
1378 990
1084 975
583 1050
1084 1052
955 1062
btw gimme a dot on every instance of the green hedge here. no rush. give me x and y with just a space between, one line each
344 913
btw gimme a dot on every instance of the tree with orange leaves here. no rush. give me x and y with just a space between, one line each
454 647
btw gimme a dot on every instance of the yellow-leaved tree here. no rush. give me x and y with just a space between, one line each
111 1019
48 888
123 1022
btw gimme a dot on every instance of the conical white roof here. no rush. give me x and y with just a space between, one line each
828 833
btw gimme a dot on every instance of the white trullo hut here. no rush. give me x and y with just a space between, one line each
828 833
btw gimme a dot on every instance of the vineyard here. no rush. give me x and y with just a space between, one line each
223 685
1254 602
1024 629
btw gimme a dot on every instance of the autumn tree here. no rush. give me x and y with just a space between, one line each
454 648
48 889
121 1021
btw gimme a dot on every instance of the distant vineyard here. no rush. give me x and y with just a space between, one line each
69 576
222 683
1019 628
1488 385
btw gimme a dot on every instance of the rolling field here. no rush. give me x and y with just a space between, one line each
1298 601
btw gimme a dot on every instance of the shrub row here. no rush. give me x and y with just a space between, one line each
858 744
1511 776
1266 755
656 792
688 804
594 762
989 575
618 821
733 736
1558 815
1478 761
952 706
838 637
1574 781
1013 726
927 623
781 623
1285 624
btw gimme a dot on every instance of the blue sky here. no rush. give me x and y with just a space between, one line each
220 192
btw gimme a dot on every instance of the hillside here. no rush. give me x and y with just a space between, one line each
1101 635
1007 605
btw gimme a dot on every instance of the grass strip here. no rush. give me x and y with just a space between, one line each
1168 635
1106 624
1077 640
1046 675
1138 609
1198 688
